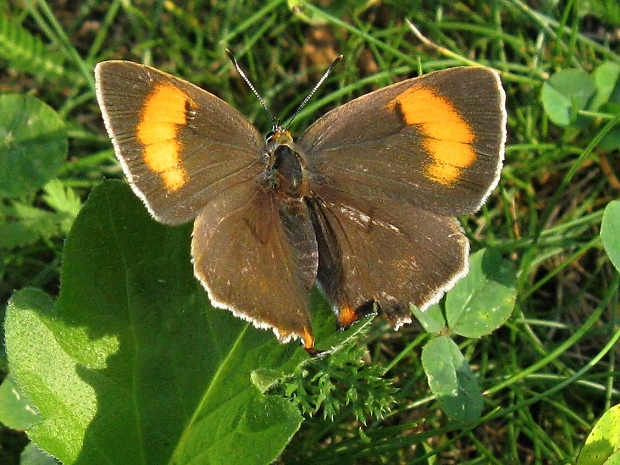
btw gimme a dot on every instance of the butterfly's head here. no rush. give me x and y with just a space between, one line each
279 136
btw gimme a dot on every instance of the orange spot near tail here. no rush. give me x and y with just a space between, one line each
308 339
347 316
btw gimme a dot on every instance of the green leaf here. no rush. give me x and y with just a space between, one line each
32 455
328 384
25 52
34 144
607 82
64 201
484 299
15 410
133 365
607 99
24 224
611 140
566 93
431 319
610 232
603 442
451 380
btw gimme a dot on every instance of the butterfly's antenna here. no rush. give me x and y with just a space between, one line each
274 120
316 86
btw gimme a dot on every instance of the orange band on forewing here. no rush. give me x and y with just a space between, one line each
164 111
447 136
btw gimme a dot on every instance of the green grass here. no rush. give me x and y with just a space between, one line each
549 373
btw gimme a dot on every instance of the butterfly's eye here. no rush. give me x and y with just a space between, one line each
269 136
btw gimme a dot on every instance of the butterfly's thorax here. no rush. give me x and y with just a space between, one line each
286 166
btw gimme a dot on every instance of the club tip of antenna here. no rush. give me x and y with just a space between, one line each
336 60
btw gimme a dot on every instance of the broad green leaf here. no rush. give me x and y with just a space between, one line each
603 443
132 364
484 299
34 144
610 232
451 380
15 410
566 93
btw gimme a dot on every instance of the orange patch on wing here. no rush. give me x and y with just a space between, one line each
447 136
308 339
346 316
164 111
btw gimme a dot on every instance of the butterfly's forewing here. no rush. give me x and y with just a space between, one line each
387 185
257 256
179 145
436 141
